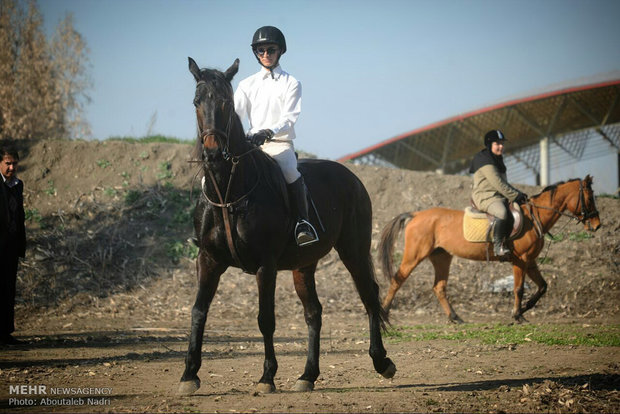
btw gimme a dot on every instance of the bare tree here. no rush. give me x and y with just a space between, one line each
10 17
42 84
70 64
35 112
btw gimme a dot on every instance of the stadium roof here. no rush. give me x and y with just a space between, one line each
449 145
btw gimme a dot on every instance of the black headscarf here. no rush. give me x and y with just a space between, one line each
485 157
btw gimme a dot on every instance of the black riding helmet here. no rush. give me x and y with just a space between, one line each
494 135
269 35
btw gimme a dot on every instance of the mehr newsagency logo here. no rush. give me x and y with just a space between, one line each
32 395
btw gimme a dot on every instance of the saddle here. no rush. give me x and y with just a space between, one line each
477 224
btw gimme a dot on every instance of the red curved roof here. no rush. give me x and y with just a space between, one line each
450 144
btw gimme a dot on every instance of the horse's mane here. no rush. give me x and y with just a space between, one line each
553 188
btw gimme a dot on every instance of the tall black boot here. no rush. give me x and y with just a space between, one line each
304 232
501 232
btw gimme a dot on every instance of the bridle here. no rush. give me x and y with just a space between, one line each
581 205
585 215
224 136
224 203
216 132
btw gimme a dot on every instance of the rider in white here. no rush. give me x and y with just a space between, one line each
271 101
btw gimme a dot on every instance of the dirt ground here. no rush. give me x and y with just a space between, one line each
105 293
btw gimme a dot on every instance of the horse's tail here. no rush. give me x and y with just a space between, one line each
386 245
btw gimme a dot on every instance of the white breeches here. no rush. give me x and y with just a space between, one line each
284 154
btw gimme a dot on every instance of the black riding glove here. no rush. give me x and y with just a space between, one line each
521 198
260 137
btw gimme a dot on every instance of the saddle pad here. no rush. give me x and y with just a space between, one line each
475 226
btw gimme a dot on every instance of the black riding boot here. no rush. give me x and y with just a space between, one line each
501 232
304 232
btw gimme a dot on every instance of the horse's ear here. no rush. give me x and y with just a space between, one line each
588 179
232 70
194 69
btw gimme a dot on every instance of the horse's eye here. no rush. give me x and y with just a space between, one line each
196 101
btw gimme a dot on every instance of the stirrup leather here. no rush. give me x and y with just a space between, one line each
312 231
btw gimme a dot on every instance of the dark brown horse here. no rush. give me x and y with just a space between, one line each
243 220
437 234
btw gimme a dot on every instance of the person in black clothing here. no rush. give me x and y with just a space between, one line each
12 240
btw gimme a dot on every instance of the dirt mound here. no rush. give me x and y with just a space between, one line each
110 220
107 286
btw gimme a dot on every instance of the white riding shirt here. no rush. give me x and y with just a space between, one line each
272 103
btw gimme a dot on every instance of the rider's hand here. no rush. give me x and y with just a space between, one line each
260 137
521 198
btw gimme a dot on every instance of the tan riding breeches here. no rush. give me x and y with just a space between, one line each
499 210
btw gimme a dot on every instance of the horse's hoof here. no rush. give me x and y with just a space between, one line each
303 386
264 388
188 387
389 371
456 319
519 318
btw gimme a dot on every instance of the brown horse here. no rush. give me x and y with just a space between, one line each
436 233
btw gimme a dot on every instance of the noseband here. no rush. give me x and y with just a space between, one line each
213 132
585 215
581 205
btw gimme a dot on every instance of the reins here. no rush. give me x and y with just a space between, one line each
585 215
224 202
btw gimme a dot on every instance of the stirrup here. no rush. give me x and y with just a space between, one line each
503 253
306 236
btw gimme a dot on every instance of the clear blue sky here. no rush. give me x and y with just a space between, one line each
370 70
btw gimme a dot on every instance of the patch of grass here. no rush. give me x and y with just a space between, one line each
177 250
555 239
132 196
581 236
545 260
103 163
431 402
165 171
547 334
151 138
182 216
50 190
33 215
397 257
110 192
